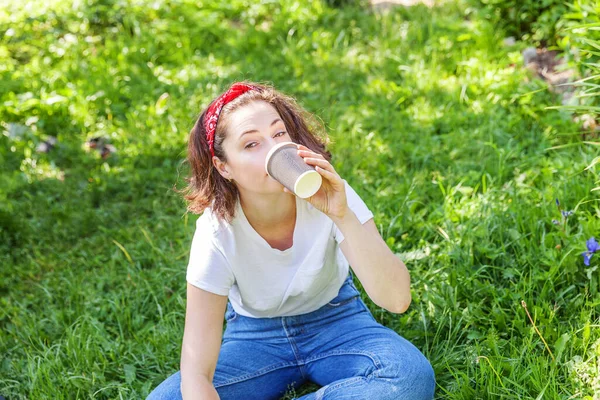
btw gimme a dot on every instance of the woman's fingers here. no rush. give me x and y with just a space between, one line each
308 153
332 177
324 164
304 151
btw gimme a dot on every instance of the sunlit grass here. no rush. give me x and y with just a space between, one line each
434 123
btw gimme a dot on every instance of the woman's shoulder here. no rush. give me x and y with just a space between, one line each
209 223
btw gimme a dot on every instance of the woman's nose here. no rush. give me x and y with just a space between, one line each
270 144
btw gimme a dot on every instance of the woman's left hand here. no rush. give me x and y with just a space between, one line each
330 199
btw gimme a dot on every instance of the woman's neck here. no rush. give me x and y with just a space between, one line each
270 211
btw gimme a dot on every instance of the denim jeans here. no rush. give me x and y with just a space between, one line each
340 347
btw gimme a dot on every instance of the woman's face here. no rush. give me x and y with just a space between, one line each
252 130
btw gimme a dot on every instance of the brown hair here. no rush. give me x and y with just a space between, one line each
206 187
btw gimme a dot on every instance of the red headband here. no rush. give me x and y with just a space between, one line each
214 110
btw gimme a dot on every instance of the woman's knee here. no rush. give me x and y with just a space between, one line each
423 373
414 379
169 389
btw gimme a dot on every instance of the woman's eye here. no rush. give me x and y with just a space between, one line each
248 146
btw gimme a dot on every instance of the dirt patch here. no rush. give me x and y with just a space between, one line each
549 66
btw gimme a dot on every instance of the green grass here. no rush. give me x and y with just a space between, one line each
434 122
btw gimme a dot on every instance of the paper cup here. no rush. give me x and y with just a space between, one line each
285 166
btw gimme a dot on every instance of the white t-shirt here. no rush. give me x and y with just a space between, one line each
234 260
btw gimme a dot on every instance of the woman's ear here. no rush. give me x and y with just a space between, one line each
221 167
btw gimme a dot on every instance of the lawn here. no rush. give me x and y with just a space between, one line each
436 124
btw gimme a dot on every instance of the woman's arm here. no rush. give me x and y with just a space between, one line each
383 275
200 389
201 343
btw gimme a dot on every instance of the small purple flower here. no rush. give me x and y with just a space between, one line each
567 214
592 247
555 222
557 202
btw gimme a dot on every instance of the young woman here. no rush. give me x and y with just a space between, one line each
294 314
